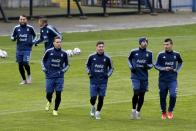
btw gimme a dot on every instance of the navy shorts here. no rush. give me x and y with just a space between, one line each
165 86
139 85
23 56
98 89
54 84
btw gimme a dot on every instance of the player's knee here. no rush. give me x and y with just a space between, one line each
25 63
141 94
58 95
173 95
136 93
101 98
49 94
93 100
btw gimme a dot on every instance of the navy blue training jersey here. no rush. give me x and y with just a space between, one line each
24 35
140 61
99 67
55 63
47 34
168 59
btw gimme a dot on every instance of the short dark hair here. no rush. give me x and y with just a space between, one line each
100 43
57 37
23 16
43 19
169 40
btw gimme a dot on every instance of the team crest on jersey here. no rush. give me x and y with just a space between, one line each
94 58
147 55
27 29
174 57
51 54
18 29
104 59
164 57
136 54
47 32
61 55
42 31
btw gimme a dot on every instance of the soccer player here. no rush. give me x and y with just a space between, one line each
47 33
168 63
140 61
99 68
54 64
24 34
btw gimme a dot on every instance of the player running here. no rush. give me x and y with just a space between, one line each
55 64
47 33
99 68
24 34
140 61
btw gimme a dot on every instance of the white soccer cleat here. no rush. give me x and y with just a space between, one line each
133 114
138 116
47 108
23 82
55 113
92 111
29 79
97 115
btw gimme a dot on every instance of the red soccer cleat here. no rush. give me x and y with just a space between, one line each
170 115
164 116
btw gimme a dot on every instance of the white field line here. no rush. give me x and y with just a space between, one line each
78 106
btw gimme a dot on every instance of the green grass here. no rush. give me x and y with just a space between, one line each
22 106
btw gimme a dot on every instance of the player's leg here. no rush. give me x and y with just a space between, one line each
57 102
59 83
49 92
173 92
26 59
135 98
140 104
143 89
93 97
101 92
19 59
163 90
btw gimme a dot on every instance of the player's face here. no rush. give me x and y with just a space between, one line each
100 49
167 46
57 43
144 44
40 23
23 20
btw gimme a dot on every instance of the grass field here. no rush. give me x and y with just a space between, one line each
22 106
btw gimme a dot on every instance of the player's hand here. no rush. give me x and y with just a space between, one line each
44 70
90 75
168 68
36 44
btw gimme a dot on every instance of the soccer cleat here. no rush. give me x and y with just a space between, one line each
97 115
133 114
170 115
55 113
23 82
47 108
164 115
137 114
92 111
29 79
